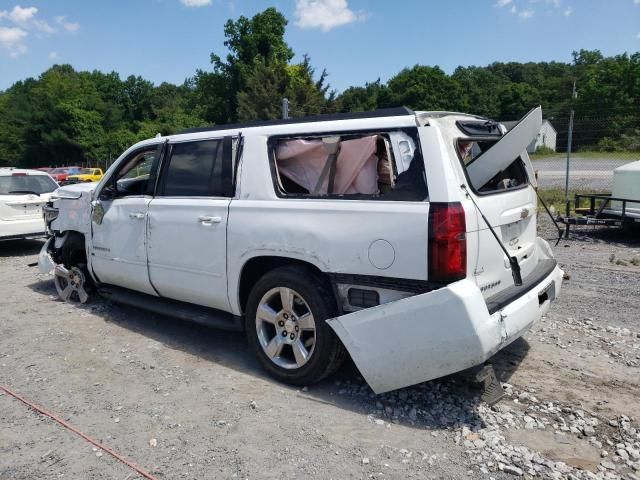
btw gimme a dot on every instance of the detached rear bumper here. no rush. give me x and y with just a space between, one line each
438 333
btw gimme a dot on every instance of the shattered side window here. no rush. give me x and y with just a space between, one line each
349 166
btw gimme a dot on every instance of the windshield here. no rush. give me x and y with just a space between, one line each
85 171
17 184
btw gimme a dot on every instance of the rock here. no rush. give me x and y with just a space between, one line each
622 454
588 430
116 420
608 465
379 421
153 442
479 444
365 461
513 470
253 404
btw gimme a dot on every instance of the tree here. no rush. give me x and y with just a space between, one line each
424 88
254 44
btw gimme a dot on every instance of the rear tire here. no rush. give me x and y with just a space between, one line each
286 326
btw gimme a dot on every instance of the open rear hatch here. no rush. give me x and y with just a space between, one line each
500 182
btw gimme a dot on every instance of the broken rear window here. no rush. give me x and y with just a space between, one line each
512 177
384 165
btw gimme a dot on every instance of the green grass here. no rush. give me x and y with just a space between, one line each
590 155
555 197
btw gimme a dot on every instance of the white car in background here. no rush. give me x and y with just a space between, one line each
23 193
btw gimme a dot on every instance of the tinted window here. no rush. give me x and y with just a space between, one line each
17 184
195 170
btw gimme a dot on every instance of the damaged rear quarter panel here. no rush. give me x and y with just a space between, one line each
333 235
421 337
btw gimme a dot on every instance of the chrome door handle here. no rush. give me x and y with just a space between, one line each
209 220
136 215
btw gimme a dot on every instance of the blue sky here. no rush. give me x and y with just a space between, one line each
355 40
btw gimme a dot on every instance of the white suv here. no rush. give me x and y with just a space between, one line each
22 195
407 239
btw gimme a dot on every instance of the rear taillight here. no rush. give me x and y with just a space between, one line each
447 242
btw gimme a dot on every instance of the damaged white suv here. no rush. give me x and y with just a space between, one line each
407 239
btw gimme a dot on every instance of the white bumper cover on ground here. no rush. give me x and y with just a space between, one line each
436 333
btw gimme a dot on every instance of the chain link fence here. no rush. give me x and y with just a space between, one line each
576 153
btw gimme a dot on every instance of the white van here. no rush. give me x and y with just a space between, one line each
405 239
23 193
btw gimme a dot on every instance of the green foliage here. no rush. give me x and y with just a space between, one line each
65 116
544 150
424 88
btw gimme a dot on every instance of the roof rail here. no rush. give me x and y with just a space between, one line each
385 112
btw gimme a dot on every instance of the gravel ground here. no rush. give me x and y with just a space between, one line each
184 401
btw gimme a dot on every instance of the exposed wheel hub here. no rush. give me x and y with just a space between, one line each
70 284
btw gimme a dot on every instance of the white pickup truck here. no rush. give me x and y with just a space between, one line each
404 239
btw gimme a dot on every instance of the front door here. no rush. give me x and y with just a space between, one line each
119 223
187 248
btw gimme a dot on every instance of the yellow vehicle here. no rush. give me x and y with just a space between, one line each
86 175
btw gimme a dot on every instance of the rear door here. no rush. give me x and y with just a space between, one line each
187 250
499 173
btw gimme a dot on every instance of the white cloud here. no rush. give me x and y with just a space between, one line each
53 56
568 11
195 3
68 26
524 14
26 19
637 2
513 9
12 41
638 36
325 14
21 15
503 3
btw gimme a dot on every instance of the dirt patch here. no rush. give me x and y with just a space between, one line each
560 447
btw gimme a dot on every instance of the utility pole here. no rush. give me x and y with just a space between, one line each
574 95
285 108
